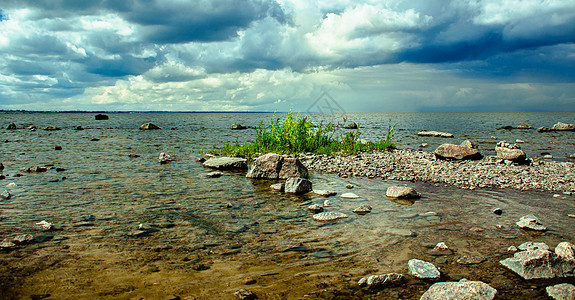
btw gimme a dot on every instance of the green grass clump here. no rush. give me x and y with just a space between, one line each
296 135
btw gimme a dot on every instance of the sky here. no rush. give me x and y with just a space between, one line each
266 55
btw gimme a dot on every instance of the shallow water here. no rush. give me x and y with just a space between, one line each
216 235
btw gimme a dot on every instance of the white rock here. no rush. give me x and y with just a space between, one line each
349 196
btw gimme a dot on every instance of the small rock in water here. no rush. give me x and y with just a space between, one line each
531 222
329 216
423 269
214 174
324 193
349 186
363 209
470 260
277 187
349 196
58 148
149 126
315 208
378 281
226 163
297 185
244 294
440 249
327 203
562 291
464 289
164 158
7 244
237 127
402 192
23 239
530 246
5 195
44 226
498 211
512 249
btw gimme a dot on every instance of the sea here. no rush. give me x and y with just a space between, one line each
208 238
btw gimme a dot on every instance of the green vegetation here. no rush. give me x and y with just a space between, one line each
299 135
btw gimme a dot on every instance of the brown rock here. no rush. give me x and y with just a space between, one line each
274 166
402 192
456 152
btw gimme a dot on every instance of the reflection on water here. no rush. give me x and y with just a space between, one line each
213 236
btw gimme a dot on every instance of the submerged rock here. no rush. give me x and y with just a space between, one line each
378 281
324 193
562 291
531 222
434 133
274 166
149 126
101 117
214 174
363 209
423 269
457 152
226 163
297 185
402 192
462 290
329 216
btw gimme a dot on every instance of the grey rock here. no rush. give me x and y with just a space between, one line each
530 246
164 158
534 264
524 126
456 152
462 290
297 185
434 133
226 163
274 166
315 208
329 216
278 187
51 128
531 222
23 239
379 281
544 129
5 195
565 250
560 126
7 244
363 209
402 192
470 144
324 193
423 269
562 291
400 232
512 152
149 126
349 196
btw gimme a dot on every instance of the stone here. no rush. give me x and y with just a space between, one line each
7 244
506 151
5 195
164 158
149 126
351 125
349 186
423 269
531 222
497 211
277 187
535 264
470 144
238 127
23 239
44 226
402 192
36 169
457 152
274 166
329 216
349 196
560 126
324 193
562 291
214 174
363 209
524 126
530 246
315 208
440 249
244 294
470 260
52 128
297 185
11 126
78 127
58 148
462 290
512 249
379 281
226 163
434 133
565 250
544 129
100 117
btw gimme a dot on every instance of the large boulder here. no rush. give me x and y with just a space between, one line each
560 126
457 152
434 133
274 166
402 192
464 289
149 126
226 163
297 185
512 152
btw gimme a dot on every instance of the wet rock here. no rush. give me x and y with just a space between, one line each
423 269
315 208
44 226
530 246
562 291
470 144
133 155
531 222
498 211
23 239
349 186
164 158
34 169
58 148
363 209
51 128
434 133
149 126
349 196
244 294
456 152
524 126
297 185
238 127
506 127
274 166
32 128
440 249
5 195
324 193
78 127
512 152
402 192
214 174
379 281
544 129
512 249
226 163
329 216
464 289
278 187
542 264
470 260
565 250
11 126
560 126
7 244
100 117
400 232
351 125
1 166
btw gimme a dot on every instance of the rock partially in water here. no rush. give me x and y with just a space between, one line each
530 246
470 260
457 152
36 169
329 216
565 250
349 196
440 249
244 294
238 127
498 211
274 166
402 192
543 264
149 126
462 290
11 126
297 185
5 195
531 222
214 174
324 193
363 209
423 269
351 125
560 126
544 129
78 127
7 244
524 126
164 158
52 128
512 152
44 226
226 163
315 208
562 291
100 117
434 133
379 281
23 239
470 144
277 187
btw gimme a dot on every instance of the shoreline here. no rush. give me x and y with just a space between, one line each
415 165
